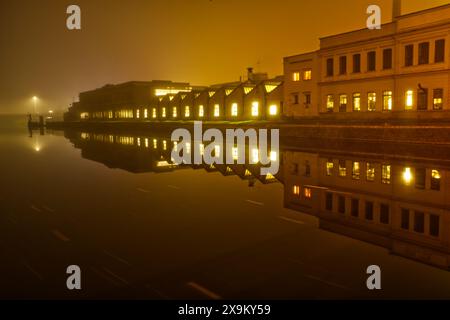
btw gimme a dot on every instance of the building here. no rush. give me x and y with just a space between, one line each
401 70
171 101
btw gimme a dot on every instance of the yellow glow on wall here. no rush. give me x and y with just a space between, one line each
187 111
273 110
234 110
409 100
174 112
229 91
270 177
201 111
171 98
211 93
407 176
255 108
247 173
216 110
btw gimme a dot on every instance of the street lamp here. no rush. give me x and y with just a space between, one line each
35 104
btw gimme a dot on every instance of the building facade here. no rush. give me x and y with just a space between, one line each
400 70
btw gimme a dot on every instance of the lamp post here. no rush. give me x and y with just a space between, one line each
35 104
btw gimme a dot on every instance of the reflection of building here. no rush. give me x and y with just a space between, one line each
398 204
391 72
258 98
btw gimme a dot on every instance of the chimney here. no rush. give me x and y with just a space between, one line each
396 9
250 74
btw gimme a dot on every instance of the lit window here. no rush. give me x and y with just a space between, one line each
187 111
407 176
372 101
235 153
370 172
255 156
356 102
296 76
138 114
174 112
164 145
342 168
145 113
270 87
435 180
255 109
154 113
307 193
330 102
343 103
234 110
387 100
163 112
330 167
356 170
146 142
386 174
438 96
155 144
296 190
273 110
307 75
409 100
201 111
216 110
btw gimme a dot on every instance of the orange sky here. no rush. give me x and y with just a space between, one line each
197 41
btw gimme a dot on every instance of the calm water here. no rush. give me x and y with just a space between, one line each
139 228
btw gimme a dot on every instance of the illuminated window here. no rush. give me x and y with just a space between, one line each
270 87
407 176
409 100
145 113
330 102
330 167
255 109
342 168
386 174
273 110
84 115
146 142
370 172
201 111
187 111
307 193
174 112
438 96
255 156
216 110
387 100
372 101
217 151
138 141
110 114
356 102
138 114
343 103
234 110
155 144
163 112
164 145
356 170
435 180
247 90
296 190
296 76
235 152
307 75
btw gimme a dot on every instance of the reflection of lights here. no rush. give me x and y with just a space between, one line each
50 111
37 148
255 155
407 175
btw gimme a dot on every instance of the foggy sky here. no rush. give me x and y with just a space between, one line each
198 41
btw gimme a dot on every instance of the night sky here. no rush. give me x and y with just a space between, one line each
198 41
